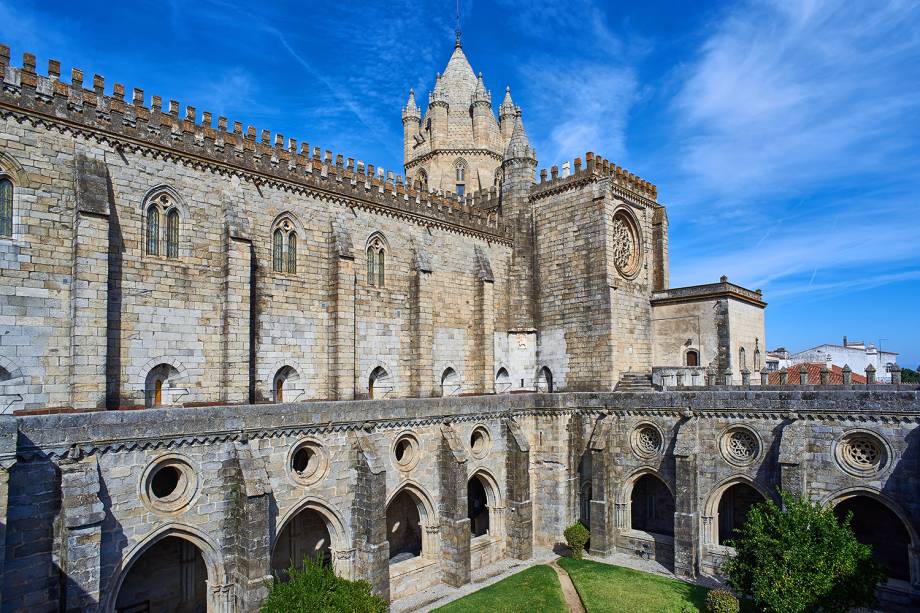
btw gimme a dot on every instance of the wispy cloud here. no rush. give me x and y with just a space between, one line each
579 95
788 97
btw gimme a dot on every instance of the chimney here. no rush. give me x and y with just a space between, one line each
844 341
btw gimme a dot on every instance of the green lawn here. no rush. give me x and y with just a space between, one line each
534 590
605 588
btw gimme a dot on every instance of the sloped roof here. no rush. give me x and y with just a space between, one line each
814 375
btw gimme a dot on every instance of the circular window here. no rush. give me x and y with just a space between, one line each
861 453
168 484
627 245
480 442
647 440
405 451
740 446
307 462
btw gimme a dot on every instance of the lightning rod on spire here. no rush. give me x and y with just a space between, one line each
458 23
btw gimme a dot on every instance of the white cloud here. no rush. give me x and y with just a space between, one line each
786 97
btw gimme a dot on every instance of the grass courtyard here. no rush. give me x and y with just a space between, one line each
605 588
534 590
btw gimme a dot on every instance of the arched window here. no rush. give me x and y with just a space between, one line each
378 385
757 359
278 251
742 358
461 177
153 230
693 358
376 262
502 381
284 245
545 380
172 233
292 253
450 382
6 207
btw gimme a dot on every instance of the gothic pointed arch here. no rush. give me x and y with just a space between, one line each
284 233
164 215
376 249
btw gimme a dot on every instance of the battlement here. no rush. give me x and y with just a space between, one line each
487 199
132 125
594 167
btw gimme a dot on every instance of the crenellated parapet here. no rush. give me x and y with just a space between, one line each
261 157
593 169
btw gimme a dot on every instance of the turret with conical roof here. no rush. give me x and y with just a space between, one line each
457 146
412 119
519 145
506 114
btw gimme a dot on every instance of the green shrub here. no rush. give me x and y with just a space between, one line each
577 536
316 589
801 558
722 601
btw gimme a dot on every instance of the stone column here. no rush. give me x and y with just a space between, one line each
423 376
369 518
89 295
520 506
452 508
686 516
792 456
870 374
486 317
342 351
237 319
602 496
254 536
895 374
81 519
8 434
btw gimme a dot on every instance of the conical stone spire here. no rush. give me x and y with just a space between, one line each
507 107
411 110
519 145
481 94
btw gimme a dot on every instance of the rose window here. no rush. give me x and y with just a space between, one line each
740 446
861 453
625 244
646 440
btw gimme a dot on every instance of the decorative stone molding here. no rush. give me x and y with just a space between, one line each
307 462
627 244
169 484
862 453
646 440
740 445
405 452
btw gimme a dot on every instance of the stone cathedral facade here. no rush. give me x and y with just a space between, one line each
410 377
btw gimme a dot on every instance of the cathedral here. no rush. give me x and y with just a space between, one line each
222 350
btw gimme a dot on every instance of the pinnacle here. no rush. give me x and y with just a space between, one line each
507 107
519 145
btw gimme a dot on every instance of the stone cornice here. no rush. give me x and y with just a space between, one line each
710 291
116 431
451 151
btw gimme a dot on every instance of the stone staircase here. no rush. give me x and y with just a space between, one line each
635 382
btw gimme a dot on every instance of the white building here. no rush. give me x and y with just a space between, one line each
857 354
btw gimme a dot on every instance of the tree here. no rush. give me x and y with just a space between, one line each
910 376
801 558
316 589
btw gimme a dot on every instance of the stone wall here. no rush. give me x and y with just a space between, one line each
80 502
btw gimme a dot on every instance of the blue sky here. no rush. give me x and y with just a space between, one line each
783 137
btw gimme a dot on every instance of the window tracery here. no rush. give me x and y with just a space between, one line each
6 206
376 262
284 247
